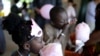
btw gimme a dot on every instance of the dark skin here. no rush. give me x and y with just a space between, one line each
34 45
61 20
61 23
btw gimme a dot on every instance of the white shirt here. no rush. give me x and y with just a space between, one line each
70 12
90 15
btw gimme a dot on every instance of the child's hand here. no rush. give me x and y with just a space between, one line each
73 21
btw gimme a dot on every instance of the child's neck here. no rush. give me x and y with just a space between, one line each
23 52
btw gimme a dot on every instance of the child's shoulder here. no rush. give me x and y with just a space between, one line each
48 25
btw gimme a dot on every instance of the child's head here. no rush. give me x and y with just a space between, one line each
22 36
58 17
21 33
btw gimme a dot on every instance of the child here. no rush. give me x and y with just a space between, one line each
25 35
57 29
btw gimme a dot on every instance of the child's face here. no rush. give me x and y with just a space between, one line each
36 44
61 20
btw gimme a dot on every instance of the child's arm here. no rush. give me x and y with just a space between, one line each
48 35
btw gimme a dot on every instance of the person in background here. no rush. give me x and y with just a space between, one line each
37 4
90 14
2 37
57 29
71 15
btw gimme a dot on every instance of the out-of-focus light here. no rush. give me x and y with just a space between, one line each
6 7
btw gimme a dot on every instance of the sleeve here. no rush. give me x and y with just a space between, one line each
58 2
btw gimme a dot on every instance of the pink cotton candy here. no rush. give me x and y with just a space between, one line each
52 49
82 32
45 11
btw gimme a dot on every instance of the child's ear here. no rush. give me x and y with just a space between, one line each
26 46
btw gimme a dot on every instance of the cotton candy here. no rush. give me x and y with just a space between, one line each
45 11
82 32
52 49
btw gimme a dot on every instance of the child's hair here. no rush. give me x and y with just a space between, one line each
18 28
55 11
11 21
97 17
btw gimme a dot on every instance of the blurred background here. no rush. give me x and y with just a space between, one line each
80 6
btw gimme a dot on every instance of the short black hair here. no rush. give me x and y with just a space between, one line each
55 11
19 29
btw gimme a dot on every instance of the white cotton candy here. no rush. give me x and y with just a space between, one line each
52 49
79 45
82 32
